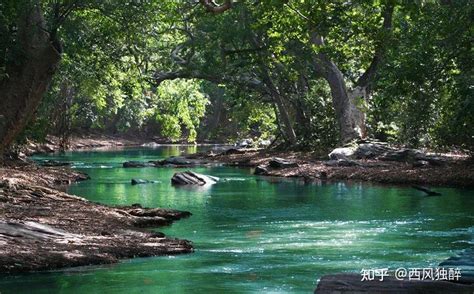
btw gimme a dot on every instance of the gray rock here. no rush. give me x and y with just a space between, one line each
192 178
263 143
342 153
281 163
128 164
370 150
260 170
245 143
141 181
403 155
179 161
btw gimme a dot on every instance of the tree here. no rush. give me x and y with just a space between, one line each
34 37
26 77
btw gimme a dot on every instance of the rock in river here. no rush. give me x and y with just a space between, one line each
179 161
55 163
141 181
192 178
133 164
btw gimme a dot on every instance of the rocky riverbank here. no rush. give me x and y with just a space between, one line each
443 170
42 228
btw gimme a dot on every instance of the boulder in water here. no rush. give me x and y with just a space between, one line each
192 178
179 161
134 164
55 163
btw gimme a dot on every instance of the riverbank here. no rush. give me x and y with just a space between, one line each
453 170
42 228
52 144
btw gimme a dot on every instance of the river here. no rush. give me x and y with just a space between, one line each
254 235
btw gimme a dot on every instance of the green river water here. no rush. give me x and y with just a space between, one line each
254 235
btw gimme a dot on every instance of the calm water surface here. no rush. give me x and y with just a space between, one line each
257 236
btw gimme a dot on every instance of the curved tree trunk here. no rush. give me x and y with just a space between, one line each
23 88
349 103
350 118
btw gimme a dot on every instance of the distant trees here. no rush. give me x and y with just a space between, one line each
313 74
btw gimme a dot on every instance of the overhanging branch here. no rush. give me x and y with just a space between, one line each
211 6
245 81
369 75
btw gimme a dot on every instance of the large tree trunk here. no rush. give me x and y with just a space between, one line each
350 118
349 104
22 90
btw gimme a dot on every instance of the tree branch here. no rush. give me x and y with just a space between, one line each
369 75
246 81
211 6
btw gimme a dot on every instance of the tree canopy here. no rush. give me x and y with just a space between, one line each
310 74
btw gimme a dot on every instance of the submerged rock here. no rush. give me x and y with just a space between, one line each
426 190
55 163
140 181
128 164
179 161
192 178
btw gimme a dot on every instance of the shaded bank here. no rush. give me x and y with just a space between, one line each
42 228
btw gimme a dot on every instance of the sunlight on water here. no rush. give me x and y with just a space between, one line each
252 235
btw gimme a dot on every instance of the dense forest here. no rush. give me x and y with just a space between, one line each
299 145
310 74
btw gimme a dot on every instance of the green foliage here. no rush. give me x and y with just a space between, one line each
426 85
113 49
179 104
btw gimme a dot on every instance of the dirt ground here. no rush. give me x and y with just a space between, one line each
42 228
458 171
